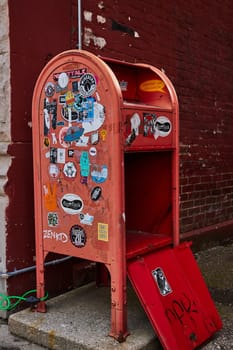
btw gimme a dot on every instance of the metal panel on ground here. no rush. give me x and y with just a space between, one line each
174 295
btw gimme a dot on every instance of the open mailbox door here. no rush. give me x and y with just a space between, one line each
174 295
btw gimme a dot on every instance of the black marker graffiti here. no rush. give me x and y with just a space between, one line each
180 308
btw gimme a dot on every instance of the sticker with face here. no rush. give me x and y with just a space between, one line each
53 171
71 203
161 281
70 170
78 236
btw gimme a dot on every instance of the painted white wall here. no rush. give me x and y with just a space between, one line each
5 137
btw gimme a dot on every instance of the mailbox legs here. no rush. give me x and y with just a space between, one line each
118 305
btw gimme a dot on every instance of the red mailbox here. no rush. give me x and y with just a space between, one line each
105 145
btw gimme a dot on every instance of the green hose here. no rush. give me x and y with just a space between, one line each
7 304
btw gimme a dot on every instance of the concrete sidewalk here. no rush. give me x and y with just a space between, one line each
80 319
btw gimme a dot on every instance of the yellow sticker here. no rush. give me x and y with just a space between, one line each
70 99
152 85
103 134
102 232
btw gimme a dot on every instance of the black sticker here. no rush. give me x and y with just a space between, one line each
74 86
87 85
78 236
96 193
49 89
70 152
53 155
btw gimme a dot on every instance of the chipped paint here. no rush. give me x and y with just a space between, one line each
100 19
101 5
87 16
90 37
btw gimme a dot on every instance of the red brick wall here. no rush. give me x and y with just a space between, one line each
193 42
38 31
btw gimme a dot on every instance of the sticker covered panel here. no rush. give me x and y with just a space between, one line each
76 169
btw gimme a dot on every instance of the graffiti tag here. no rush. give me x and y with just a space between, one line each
180 308
50 234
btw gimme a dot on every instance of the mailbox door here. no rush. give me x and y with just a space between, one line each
174 295
78 158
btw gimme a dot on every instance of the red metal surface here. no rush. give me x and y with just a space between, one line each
135 139
175 297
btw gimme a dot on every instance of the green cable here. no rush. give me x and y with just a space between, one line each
6 303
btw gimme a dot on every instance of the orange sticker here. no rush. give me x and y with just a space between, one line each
152 86
50 199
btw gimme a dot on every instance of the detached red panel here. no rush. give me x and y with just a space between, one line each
174 295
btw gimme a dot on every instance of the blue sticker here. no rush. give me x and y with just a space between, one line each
84 167
73 134
99 174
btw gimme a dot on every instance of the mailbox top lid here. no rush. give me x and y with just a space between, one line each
143 84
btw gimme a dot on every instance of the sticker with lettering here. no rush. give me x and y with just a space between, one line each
156 126
87 85
163 127
72 74
71 203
